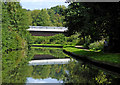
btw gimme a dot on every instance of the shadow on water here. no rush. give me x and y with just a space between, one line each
42 57
16 69
113 69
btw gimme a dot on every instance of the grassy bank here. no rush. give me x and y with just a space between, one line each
45 47
47 44
54 45
110 58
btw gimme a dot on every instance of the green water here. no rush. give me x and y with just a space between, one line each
16 69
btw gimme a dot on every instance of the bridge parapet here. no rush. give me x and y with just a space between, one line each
47 28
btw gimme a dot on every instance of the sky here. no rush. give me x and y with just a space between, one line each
41 4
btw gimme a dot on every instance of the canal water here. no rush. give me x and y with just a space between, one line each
51 65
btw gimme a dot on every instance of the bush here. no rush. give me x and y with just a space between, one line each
98 45
56 39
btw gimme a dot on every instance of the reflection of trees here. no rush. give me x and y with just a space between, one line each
46 71
101 78
59 71
15 67
41 71
54 52
79 73
16 70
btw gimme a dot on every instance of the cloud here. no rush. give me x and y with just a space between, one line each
41 5
42 0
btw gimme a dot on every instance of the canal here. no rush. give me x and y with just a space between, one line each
51 65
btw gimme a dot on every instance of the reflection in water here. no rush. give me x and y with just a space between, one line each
16 69
58 53
47 80
49 61
15 66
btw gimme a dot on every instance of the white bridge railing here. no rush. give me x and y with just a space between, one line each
47 28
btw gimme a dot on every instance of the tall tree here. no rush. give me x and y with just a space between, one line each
59 9
50 17
34 15
77 19
96 20
58 15
14 25
43 18
29 17
108 19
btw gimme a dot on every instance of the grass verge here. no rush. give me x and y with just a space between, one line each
48 44
46 47
54 45
110 58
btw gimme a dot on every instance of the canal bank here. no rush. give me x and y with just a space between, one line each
105 66
110 58
114 67
71 71
85 58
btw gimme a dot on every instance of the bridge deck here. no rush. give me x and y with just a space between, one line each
47 29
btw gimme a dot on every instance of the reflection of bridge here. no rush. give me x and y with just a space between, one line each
46 30
48 60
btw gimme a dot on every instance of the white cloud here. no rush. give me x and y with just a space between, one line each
41 4
42 0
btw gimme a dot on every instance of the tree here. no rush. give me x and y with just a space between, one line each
58 15
14 19
59 9
48 17
52 16
108 22
77 19
43 19
95 19
34 15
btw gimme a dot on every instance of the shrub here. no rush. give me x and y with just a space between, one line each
98 45
56 39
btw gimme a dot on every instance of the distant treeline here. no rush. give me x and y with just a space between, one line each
47 17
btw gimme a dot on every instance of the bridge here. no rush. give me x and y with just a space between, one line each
46 30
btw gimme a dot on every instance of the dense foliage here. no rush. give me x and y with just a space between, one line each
57 39
15 40
98 45
14 25
15 66
47 17
97 20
